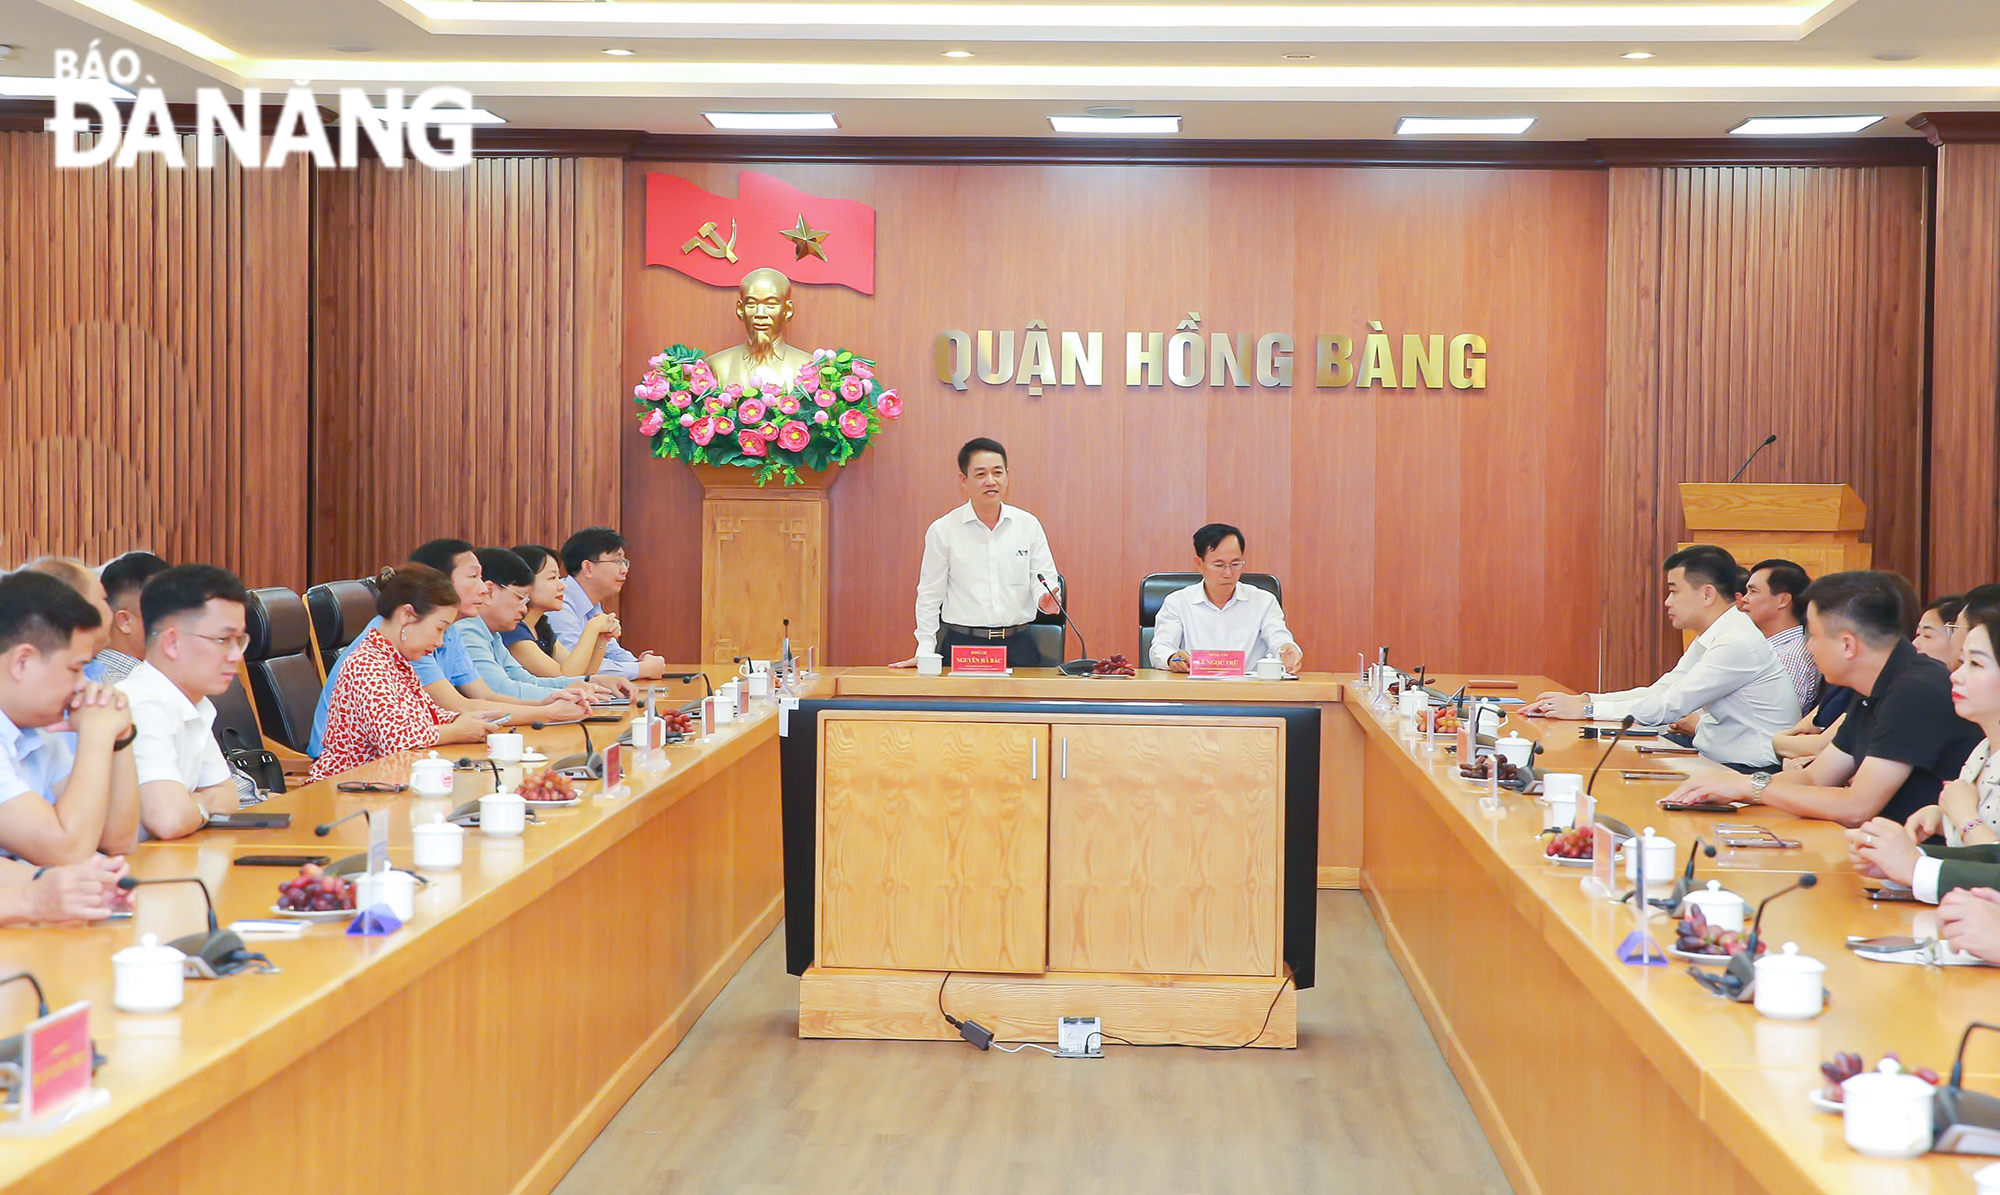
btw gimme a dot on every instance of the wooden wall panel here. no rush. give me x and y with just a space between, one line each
1965 372
1745 301
1392 517
153 361
465 372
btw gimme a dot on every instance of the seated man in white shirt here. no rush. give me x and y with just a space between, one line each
1730 672
194 637
979 585
1218 613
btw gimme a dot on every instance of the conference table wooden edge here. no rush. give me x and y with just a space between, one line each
103 1147
1340 737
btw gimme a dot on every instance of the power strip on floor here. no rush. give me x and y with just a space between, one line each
1079 1037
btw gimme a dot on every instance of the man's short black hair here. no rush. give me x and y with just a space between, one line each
1947 607
1705 564
1787 577
40 610
127 575
979 444
186 589
1210 537
503 567
441 554
589 544
1864 601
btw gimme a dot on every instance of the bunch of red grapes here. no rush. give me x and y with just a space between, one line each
678 723
1573 843
1697 936
1447 722
314 891
1846 1066
547 785
1482 769
1117 665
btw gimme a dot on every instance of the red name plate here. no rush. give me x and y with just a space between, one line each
58 1053
979 661
1216 663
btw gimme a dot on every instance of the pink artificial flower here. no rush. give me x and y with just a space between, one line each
687 420
642 391
702 430
769 431
820 417
682 400
853 425
732 392
823 397
853 389
713 404
752 410
751 443
820 355
770 389
862 371
701 383
655 419
723 427
788 405
659 362
793 435
889 404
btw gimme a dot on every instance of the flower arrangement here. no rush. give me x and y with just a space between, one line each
829 413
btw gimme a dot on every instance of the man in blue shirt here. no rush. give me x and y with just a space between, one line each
508 582
448 674
597 566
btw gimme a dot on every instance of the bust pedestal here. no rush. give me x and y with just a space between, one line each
763 560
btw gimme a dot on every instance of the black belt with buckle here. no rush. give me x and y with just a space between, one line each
985 632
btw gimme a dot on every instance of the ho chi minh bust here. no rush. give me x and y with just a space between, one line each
764 304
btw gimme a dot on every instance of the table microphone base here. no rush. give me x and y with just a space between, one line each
1078 668
580 767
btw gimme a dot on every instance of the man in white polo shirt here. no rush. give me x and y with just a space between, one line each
1218 613
978 584
195 635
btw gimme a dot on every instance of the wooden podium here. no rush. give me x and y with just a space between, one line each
763 560
1818 526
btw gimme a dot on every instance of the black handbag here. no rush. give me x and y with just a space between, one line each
260 766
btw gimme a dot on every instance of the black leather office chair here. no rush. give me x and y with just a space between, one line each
1048 631
236 720
1153 593
339 610
283 676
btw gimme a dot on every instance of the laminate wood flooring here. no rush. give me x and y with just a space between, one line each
1364 1105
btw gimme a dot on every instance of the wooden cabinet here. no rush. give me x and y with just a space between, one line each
1164 849
934 845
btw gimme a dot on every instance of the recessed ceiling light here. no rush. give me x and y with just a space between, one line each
958 53
1801 126
1116 125
25 88
1298 57
772 122
1106 110
1635 55
1431 126
619 52
1896 56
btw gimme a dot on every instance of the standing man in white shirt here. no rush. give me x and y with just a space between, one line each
195 634
1729 672
978 585
1217 613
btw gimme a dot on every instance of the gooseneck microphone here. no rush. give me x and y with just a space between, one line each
323 830
1768 441
1742 965
590 763
1624 725
41 1000
1083 664
220 951
10 1046
688 678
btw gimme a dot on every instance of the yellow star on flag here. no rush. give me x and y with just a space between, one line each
805 239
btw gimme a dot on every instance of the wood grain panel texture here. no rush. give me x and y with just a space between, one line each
1121 476
465 376
1965 370
153 361
1745 301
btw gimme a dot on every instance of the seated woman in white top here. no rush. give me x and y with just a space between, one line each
1968 809
1218 613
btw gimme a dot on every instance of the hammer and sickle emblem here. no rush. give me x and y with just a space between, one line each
708 241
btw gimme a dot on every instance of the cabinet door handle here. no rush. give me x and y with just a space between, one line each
1034 759
1065 758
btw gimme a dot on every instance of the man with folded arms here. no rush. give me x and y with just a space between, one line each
1219 613
67 784
1729 673
977 586
194 638
123 580
597 564
1900 741
508 584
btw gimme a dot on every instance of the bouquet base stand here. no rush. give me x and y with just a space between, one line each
763 559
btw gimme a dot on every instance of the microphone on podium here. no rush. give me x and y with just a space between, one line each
1081 666
1768 441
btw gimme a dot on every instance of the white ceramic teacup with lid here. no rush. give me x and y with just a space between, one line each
1791 986
431 776
1888 1114
147 977
1720 907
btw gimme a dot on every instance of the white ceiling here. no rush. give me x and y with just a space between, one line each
880 69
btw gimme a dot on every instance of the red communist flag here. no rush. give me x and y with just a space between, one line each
814 240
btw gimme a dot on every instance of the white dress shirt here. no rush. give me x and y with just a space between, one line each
1251 622
976 576
1729 673
176 737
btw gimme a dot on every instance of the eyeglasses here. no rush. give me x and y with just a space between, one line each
614 561
237 642
369 786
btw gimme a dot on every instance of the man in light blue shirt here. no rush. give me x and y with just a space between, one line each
508 582
597 566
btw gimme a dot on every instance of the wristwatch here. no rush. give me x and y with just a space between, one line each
1757 782
1589 707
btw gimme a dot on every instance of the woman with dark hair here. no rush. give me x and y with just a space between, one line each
377 706
534 644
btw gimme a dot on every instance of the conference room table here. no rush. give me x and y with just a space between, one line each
479 1048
